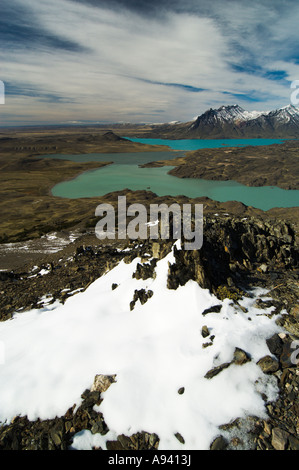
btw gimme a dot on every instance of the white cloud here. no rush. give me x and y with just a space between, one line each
124 52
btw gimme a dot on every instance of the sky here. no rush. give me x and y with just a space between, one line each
104 61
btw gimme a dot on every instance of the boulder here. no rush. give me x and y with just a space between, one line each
268 364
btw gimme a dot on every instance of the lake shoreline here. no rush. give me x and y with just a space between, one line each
274 165
259 176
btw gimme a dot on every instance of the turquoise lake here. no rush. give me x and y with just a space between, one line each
125 173
196 144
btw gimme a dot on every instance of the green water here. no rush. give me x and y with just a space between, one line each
118 177
125 173
196 144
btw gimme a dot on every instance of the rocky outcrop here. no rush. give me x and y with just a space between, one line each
54 434
142 295
234 248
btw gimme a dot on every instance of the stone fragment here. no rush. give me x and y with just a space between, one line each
220 443
214 309
268 364
275 345
240 357
205 331
279 438
216 370
180 438
267 428
102 383
142 295
263 268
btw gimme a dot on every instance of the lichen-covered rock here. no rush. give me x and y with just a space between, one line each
268 364
279 438
102 382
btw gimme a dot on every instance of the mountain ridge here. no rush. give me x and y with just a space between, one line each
232 121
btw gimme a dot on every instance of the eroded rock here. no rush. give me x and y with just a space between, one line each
102 383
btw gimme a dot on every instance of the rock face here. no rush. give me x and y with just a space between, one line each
233 249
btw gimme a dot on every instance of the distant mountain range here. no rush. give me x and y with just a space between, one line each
233 122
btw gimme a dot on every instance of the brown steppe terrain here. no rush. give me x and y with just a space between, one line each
271 165
29 210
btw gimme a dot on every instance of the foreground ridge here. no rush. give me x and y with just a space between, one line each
244 275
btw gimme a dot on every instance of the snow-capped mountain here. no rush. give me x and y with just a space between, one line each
230 114
228 121
288 114
235 122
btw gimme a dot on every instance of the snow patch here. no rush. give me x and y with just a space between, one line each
52 355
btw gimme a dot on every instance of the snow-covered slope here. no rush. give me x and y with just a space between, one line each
288 114
52 355
236 114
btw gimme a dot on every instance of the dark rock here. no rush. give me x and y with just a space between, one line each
263 303
268 364
279 438
220 443
56 433
286 355
181 390
142 295
240 357
293 442
216 370
205 331
139 441
114 446
146 270
214 309
275 345
180 438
